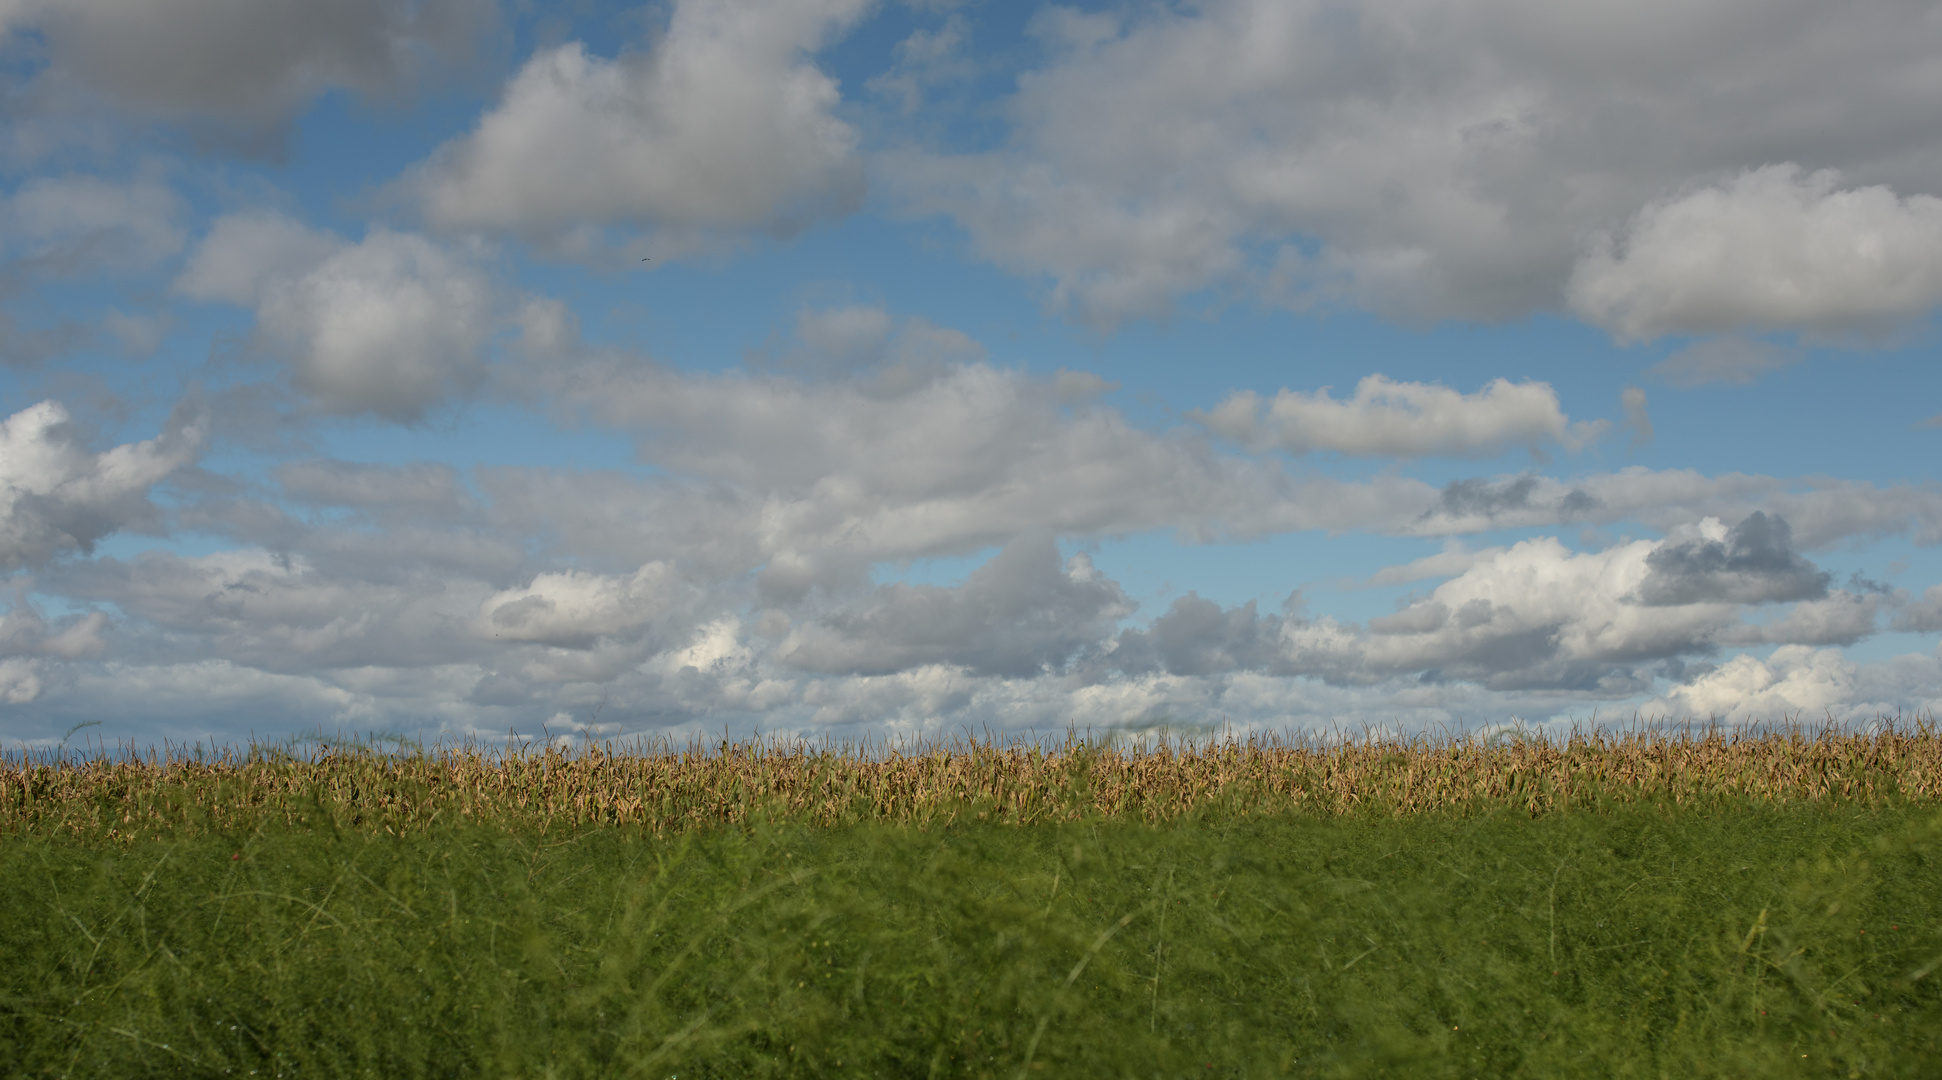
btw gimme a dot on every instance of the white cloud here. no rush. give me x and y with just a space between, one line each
250 63
1769 248
57 496
722 125
1534 615
574 609
1433 158
1796 682
392 326
730 582
1401 419
1542 614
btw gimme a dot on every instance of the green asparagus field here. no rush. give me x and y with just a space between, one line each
1713 934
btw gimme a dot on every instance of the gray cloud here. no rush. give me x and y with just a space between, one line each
1839 618
56 496
33 649
250 64
1385 418
721 125
1532 616
425 490
277 613
393 326
1769 248
74 225
1922 616
1636 417
1016 616
1753 563
1735 361
944 458
1480 499
1431 159
1196 637
730 582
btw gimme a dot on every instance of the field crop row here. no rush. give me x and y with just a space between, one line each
663 789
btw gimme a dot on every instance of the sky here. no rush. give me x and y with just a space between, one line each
838 369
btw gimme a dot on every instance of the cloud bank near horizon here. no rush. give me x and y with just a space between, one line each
332 392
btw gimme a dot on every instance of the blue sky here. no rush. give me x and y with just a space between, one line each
838 368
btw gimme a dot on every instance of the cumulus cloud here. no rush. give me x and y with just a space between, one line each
57 496
721 126
1533 615
730 583
1540 614
391 326
1020 614
1770 248
1795 682
1431 159
248 63
1751 563
1401 419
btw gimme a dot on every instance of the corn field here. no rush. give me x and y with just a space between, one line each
662 789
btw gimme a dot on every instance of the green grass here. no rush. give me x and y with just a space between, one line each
1754 940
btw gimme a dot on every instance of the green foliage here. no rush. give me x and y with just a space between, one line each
1763 941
